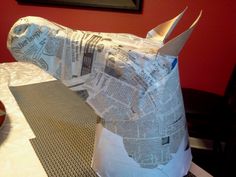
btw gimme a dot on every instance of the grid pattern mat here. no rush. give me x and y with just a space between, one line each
64 126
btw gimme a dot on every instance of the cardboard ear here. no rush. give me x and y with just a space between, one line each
174 46
162 31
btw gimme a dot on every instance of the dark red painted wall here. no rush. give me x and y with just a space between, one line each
205 62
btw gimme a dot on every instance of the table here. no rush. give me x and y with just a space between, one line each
17 156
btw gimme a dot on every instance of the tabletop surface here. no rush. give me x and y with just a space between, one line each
17 156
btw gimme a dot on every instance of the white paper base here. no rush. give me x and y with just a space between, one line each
111 159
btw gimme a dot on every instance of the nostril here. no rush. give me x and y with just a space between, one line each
18 30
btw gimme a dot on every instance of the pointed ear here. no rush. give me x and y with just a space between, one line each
162 31
174 46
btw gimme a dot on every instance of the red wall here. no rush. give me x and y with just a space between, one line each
205 62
